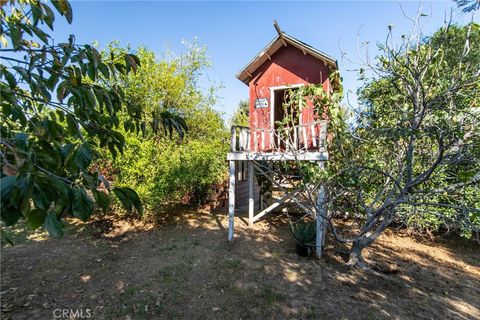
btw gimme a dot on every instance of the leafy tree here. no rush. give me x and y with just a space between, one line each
240 117
56 112
417 138
380 97
413 154
161 169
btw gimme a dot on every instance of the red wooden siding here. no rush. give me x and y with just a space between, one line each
288 66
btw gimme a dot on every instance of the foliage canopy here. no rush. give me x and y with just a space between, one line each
56 112
165 170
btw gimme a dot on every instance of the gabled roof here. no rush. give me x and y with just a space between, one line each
282 39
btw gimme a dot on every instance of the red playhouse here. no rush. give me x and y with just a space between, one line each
284 64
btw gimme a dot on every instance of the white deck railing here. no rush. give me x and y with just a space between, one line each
306 137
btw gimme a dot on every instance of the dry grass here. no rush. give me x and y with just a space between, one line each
184 268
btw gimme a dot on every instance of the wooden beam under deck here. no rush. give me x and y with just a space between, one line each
278 156
231 201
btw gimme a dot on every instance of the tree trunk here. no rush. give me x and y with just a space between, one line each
355 259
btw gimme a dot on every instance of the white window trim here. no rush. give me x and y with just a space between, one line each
272 100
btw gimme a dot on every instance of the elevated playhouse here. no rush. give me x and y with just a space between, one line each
284 64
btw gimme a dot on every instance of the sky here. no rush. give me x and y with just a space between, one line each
234 32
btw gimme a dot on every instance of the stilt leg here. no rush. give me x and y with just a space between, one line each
251 202
231 201
324 232
320 221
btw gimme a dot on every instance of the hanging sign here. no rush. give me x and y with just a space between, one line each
261 103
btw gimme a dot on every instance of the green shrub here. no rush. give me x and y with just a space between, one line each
167 171
162 167
304 233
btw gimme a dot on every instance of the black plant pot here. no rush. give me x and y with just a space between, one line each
302 250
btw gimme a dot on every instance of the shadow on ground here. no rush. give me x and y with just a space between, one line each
185 268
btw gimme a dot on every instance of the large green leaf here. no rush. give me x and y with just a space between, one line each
64 8
58 187
53 225
129 199
102 199
40 198
82 205
132 62
15 35
83 156
36 217
49 16
47 189
7 184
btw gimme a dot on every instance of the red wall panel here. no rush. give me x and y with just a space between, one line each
288 66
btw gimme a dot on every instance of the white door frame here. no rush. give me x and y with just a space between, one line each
272 100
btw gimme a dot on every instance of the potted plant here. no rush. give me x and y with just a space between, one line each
304 234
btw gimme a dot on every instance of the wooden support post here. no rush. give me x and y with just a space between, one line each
323 136
270 140
231 201
246 134
324 233
245 140
305 141
295 145
233 142
251 202
314 139
240 140
321 212
279 142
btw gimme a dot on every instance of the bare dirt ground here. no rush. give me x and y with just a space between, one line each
184 268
